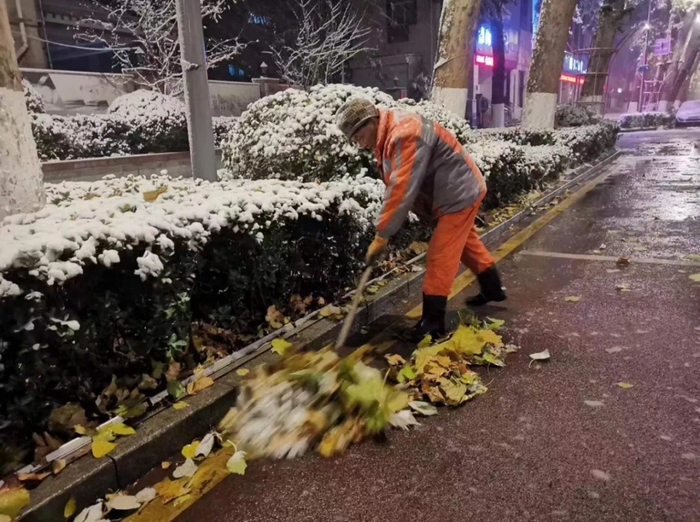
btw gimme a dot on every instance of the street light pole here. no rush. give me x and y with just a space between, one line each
644 59
194 68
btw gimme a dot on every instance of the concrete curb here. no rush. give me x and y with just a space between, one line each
159 435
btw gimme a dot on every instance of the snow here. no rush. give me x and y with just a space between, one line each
539 110
89 223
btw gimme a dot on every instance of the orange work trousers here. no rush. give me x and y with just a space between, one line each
455 239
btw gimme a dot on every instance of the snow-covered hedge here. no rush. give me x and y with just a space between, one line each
292 134
103 283
34 100
645 120
575 115
140 122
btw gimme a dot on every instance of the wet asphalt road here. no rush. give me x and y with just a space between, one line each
532 448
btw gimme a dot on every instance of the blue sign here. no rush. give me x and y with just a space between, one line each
484 36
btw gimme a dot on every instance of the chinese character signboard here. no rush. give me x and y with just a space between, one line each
662 47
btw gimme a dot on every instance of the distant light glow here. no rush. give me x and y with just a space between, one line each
619 90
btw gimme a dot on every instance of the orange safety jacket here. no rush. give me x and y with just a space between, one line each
424 168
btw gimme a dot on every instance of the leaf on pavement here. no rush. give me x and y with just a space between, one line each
426 341
403 420
329 311
594 404
165 464
242 372
168 490
69 508
90 514
32 477
123 503
204 448
13 500
122 429
625 385
395 360
101 448
187 469
623 261
200 382
454 392
695 277
146 495
494 324
693 257
424 408
541 356
179 405
280 346
189 450
572 299
623 287
237 464
614 349
407 373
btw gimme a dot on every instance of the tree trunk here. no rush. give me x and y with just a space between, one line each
21 180
686 69
499 97
683 43
609 21
547 61
453 65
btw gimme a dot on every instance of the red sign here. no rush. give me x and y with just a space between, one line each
571 79
483 59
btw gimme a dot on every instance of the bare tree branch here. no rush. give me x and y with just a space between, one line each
324 44
143 36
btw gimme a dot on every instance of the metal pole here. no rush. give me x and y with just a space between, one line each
194 67
644 59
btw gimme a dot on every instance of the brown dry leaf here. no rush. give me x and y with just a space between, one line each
338 439
418 247
274 317
32 477
168 490
432 392
165 464
173 371
623 261
199 383
395 360
152 195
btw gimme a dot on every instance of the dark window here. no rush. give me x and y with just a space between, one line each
401 15
521 88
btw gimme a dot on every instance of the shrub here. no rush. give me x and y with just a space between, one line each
34 100
156 122
101 283
292 135
575 115
644 120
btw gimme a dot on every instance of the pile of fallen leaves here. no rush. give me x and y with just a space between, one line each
309 400
440 372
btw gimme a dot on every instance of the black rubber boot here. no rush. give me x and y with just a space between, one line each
433 321
491 288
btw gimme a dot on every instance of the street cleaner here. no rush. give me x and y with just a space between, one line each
426 170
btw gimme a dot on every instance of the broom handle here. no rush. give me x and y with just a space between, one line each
345 330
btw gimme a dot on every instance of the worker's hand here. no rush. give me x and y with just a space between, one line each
375 250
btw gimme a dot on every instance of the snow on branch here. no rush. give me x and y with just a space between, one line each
143 36
326 40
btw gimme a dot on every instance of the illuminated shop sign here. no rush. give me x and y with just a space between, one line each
485 60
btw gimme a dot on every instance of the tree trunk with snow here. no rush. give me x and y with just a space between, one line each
610 19
683 46
547 61
453 65
21 180
499 96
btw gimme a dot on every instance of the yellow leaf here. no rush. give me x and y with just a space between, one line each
695 277
625 385
179 405
398 401
465 340
424 355
169 490
13 500
199 384
426 341
104 435
69 510
152 195
280 346
395 360
453 391
189 450
100 448
80 430
181 500
122 429
572 299
489 336
243 371
237 464
165 464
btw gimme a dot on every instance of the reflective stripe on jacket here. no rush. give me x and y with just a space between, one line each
422 164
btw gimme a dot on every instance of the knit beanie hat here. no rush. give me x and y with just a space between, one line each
354 114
